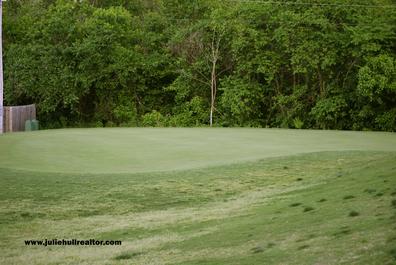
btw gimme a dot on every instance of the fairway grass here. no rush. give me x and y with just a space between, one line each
199 196
131 150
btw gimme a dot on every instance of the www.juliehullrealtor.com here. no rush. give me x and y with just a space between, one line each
72 242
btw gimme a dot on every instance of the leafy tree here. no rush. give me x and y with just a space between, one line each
201 62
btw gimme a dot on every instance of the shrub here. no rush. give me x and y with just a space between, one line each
329 112
124 114
298 124
153 119
192 113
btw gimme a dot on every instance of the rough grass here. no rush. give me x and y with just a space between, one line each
245 213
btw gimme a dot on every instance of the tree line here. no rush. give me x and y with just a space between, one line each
325 64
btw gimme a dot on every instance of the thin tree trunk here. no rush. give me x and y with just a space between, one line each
213 85
321 83
294 81
213 92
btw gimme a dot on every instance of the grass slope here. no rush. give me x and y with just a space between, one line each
318 208
134 150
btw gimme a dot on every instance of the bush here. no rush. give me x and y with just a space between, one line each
329 112
153 119
298 124
124 114
387 120
192 113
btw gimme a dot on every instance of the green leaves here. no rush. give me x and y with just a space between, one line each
112 62
242 101
377 84
377 77
329 112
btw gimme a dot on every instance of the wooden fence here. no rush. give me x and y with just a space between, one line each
16 116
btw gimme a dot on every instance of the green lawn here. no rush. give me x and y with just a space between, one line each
199 196
151 149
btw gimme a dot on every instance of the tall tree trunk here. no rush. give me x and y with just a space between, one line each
213 86
213 91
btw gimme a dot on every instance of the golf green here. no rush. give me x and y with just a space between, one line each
127 150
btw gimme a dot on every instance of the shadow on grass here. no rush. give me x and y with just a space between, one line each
124 256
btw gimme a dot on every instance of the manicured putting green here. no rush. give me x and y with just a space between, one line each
121 150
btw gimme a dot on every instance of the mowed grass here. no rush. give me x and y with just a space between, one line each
333 207
131 150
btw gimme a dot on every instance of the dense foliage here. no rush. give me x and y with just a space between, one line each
173 62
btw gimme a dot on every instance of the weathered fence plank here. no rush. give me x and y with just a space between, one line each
15 117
